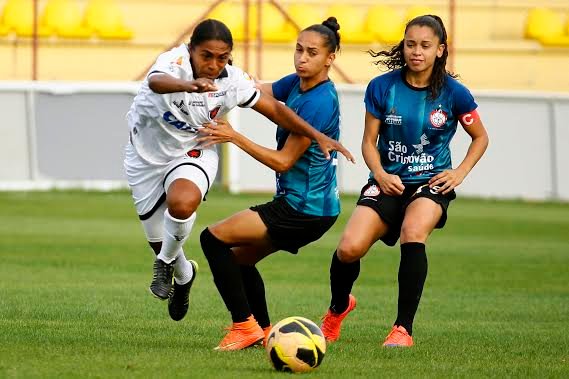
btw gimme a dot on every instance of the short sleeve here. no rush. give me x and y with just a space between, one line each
282 87
247 93
463 100
373 99
168 64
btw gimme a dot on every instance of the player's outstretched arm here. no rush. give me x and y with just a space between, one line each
286 118
161 83
220 131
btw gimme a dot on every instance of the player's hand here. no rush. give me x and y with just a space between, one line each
447 180
217 131
201 85
328 144
390 184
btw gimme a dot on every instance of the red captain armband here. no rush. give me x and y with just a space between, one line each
469 118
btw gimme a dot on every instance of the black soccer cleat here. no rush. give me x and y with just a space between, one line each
161 285
179 301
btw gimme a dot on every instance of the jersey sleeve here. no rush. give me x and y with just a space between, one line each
167 64
372 99
282 87
247 93
463 100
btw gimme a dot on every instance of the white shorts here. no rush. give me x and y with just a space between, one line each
149 183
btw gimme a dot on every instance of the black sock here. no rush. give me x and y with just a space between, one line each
412 276
226 276
342 278
255 291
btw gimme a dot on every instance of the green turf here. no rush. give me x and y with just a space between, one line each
74 273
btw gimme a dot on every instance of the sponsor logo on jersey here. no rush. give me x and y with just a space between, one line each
172 120
178 61
181 106
438 117
372 190
417 161
216 94
195 153
393 118
424 142
214 112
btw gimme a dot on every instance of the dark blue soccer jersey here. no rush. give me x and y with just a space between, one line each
415 132
310 185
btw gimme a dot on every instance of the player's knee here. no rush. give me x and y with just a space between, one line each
349 251
182 208
412 233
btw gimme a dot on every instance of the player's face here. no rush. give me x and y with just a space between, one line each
209 58
421 47
311 56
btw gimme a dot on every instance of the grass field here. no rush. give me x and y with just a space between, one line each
75 268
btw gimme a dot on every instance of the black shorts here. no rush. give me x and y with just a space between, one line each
391 209
289 229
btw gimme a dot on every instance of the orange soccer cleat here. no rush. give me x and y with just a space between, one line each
242 335
398 337
266 330
332 322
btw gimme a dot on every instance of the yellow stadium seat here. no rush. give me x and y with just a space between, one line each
18 17
274 25
304 15
273 22
231 14
64 18
416 11
385 24
543 23
352 26
104 18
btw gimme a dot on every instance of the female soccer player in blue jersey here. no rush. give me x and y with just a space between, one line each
411 116
306 203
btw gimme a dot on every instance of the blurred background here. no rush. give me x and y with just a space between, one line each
70 69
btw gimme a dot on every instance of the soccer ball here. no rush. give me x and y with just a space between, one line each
296 344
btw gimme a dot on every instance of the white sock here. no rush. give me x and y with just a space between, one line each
183 270
176 232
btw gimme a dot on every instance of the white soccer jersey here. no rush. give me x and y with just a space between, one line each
164 126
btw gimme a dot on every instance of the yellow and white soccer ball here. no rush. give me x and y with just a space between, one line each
296 344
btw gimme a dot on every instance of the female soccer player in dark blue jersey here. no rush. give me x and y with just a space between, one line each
411 116
306 203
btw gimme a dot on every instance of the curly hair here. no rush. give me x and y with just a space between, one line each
393 59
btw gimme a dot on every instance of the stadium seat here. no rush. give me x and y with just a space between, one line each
273 22
543 24
384 24
274 25
304 15
416 11
231 14
352 26
105 19
64 18
18 17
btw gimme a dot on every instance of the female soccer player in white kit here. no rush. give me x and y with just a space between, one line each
168 172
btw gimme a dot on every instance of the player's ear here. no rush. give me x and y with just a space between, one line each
330 60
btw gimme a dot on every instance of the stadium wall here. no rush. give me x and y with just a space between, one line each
71 135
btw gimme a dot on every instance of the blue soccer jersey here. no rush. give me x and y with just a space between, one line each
310 185
415 132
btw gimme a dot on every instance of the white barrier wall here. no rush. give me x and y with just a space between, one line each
72 135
